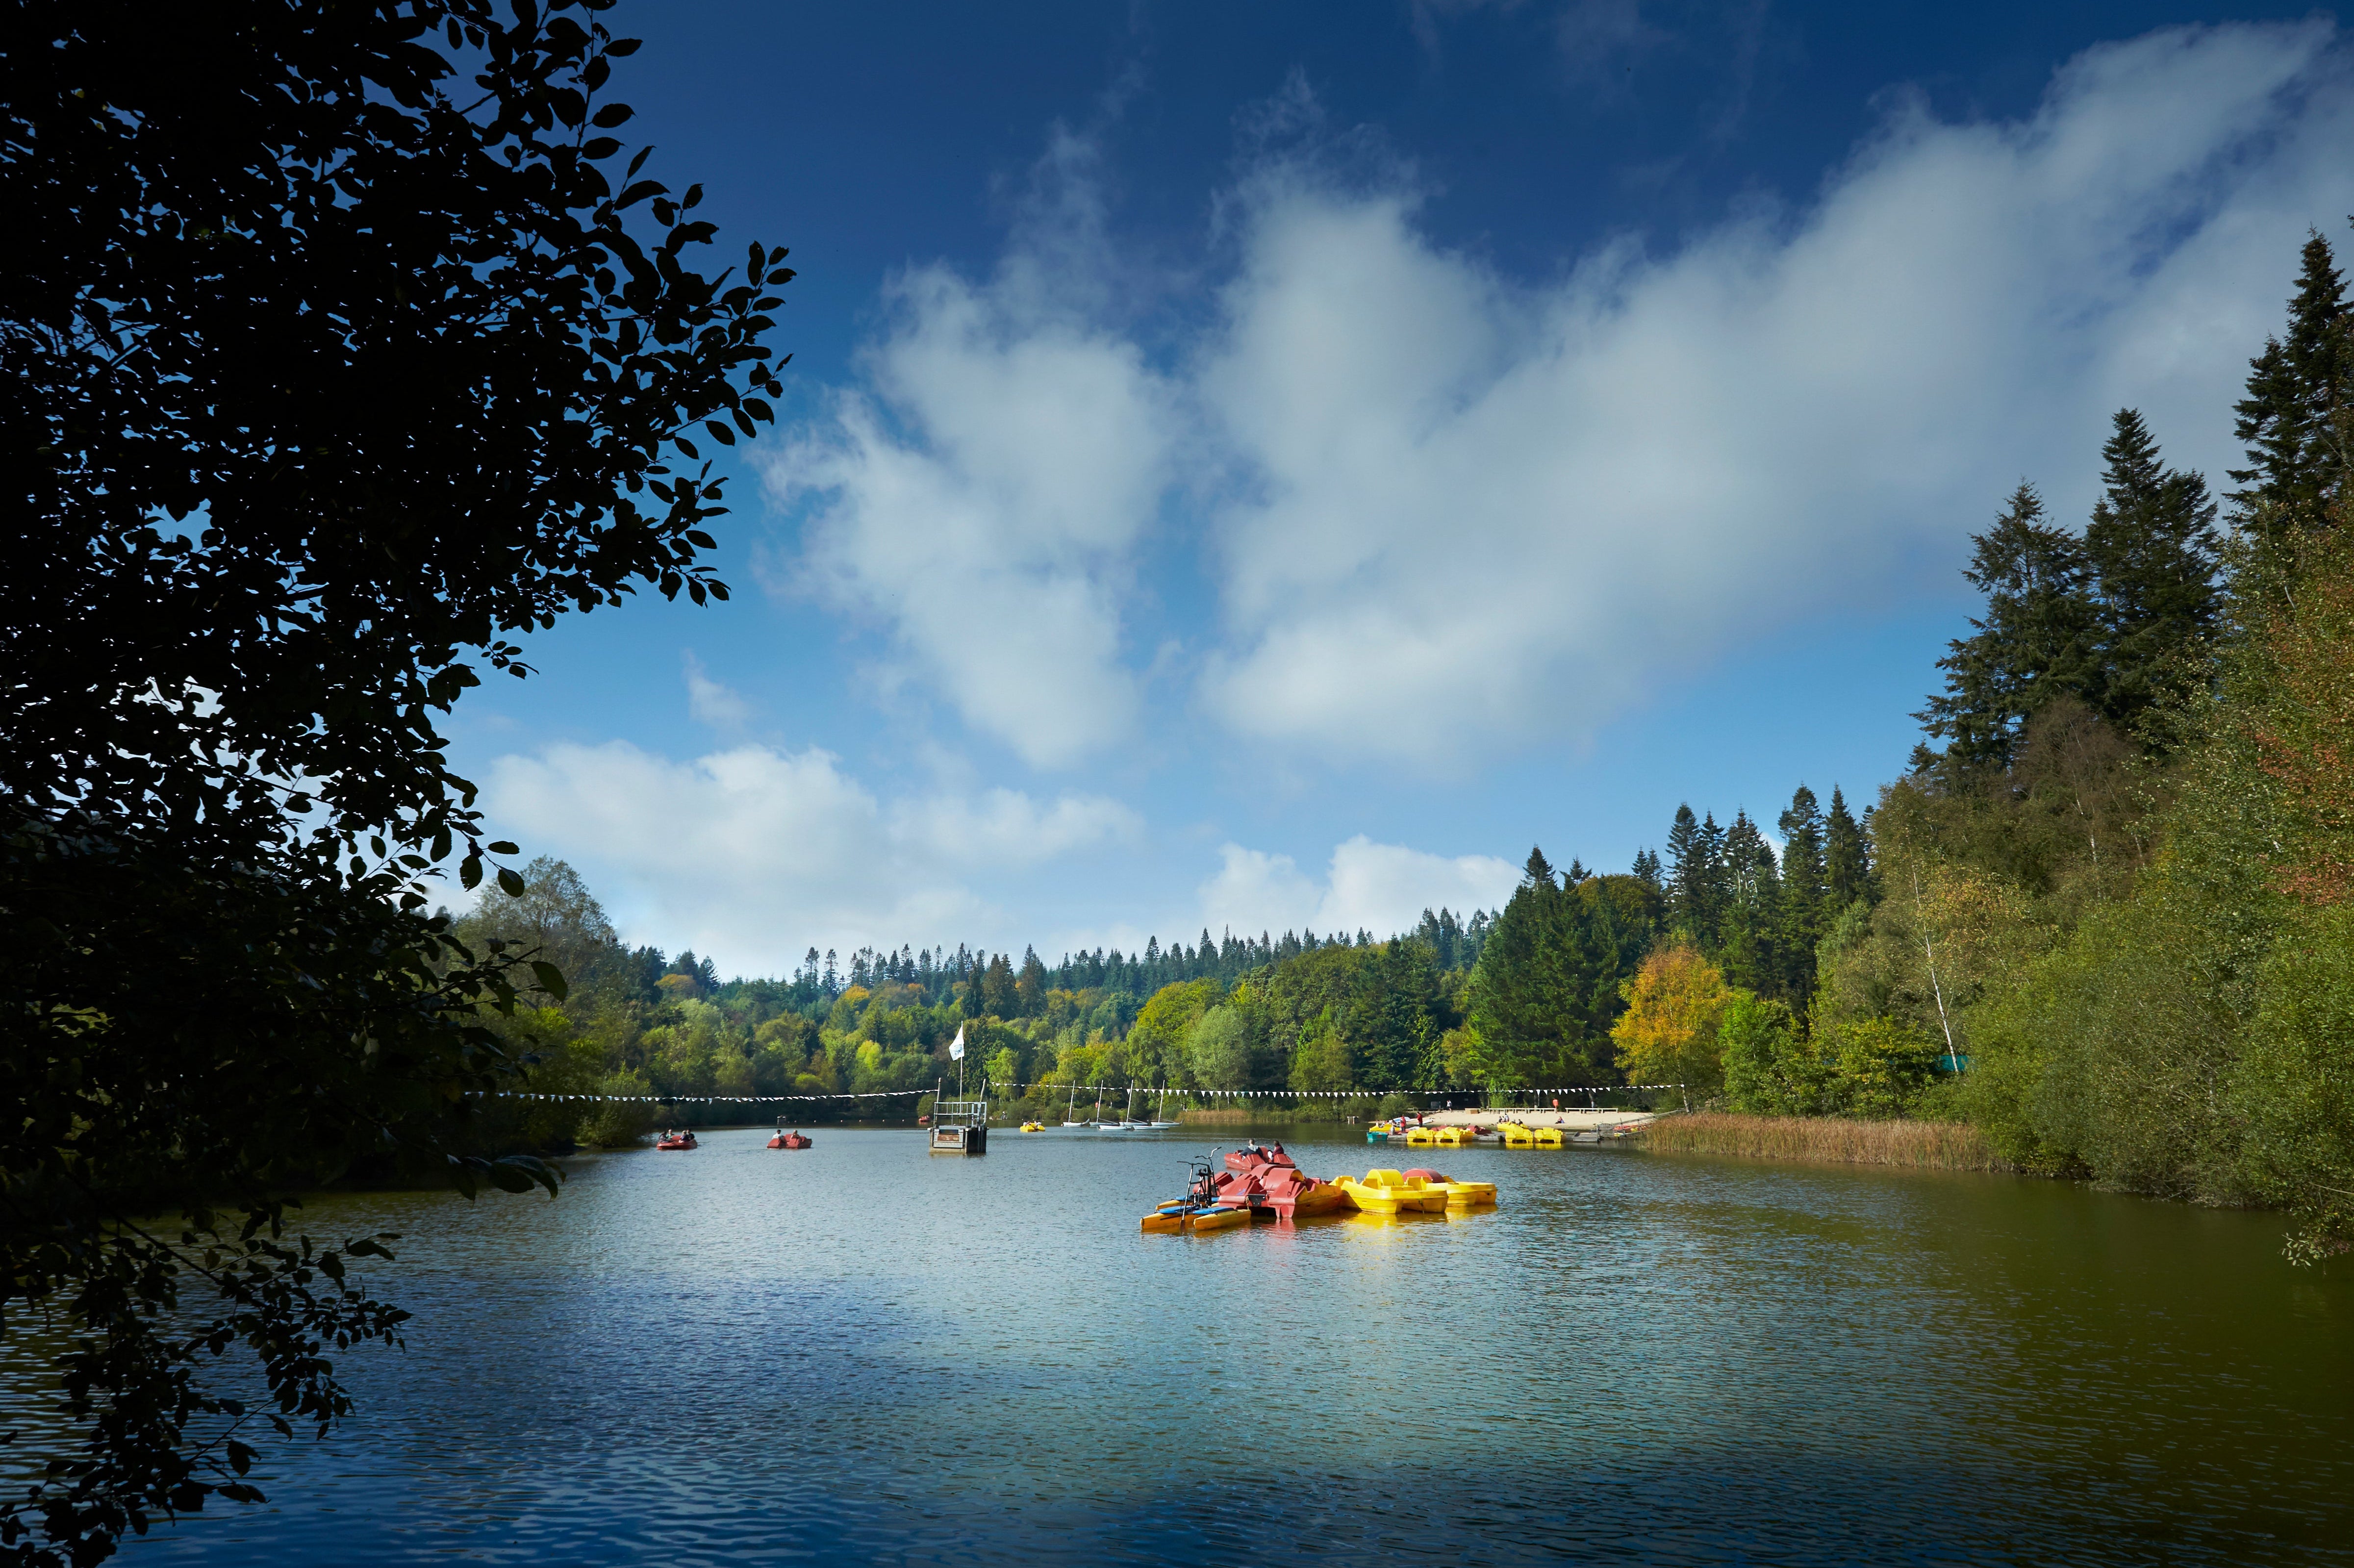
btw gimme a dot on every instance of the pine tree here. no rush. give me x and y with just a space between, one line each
1544 992
1752 887
1538 872
1690 873
2297 389
1805 909
2036 640
2151 551
1577 873
1846 856
1716 881
1030 987
1647 869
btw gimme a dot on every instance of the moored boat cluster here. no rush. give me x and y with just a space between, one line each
1262 1181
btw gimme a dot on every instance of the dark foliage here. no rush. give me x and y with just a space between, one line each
340 362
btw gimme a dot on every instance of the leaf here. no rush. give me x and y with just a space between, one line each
521 1173
470 871
511 882
551 978
721 433
612 114
501 846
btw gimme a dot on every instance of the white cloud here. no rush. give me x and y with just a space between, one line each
753 855
1381 888
1485 511
984 495
720 706
1450 510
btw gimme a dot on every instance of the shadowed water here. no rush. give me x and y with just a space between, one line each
861 1354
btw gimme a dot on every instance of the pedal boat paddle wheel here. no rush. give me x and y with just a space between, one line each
1203 1208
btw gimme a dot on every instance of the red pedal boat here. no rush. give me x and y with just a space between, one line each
789 1140
1267 1179
677 1140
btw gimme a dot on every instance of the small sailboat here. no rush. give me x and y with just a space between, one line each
1070 1112
1126 1122
1160 1118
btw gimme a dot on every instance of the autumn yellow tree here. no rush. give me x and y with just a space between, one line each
1669 1033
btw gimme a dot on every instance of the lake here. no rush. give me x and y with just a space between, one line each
861 1353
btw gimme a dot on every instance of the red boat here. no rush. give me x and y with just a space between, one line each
1270 1183
790 1140
677 1140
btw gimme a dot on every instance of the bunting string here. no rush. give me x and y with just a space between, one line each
1084 1088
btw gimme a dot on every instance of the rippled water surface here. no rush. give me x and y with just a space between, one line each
860 1353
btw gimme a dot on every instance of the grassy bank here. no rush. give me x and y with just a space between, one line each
1827 1140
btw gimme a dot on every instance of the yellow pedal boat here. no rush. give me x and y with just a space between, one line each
1546 1136
1448 1138
1516 1136
1392 1193
1034 1126
1463 1194
1422 1135
1176 1219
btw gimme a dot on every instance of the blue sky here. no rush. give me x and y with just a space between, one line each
1268 464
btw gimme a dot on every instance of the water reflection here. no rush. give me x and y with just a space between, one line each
858 1352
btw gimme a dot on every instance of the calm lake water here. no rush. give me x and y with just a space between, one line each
861 1353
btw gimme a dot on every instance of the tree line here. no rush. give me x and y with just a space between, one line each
2107 916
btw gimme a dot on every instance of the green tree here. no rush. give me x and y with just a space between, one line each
1769 1067
1749 946
2300 389
1805 907
2035 641
2151 550
329 376
1321 1063
1846 856
1544 993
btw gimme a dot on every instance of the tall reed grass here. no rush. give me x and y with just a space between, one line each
1827 1140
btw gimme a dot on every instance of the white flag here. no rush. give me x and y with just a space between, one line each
956 1046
